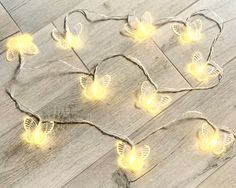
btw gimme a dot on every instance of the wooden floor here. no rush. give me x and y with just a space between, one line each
80 156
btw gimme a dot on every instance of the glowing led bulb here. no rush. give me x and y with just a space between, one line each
140 29
20 45
36 133
70 38
95 89
203 70
149 100
213 140
131 158
189 33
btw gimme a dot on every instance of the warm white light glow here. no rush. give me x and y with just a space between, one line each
131 158
203 70
36 133
189 33
69 39
150 101
213 140
95 89
140 29
20 45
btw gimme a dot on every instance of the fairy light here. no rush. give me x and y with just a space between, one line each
95 89
213 140
150 101
20 45
203 70
132 159
140 29
70 39
191 32
36 133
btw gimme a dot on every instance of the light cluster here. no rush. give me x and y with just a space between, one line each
211 139
190 32
203 70
36 132
139 29
20 45
95 88
149 100
70 38
130 157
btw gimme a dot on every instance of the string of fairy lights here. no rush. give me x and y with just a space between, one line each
151 98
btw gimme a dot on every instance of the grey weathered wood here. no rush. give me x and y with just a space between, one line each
31 16
174 154
117 113
170 45
79 156
48 52
103 38
7 27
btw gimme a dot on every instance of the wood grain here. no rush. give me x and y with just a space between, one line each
175 158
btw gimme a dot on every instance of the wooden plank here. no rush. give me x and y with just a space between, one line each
170 45
31 16
71 151
7 27
102 38
224 177
48 52
174 157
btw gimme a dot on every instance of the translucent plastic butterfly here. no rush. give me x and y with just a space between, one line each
214 140
70 38
189 33
131 159
95 89
149 100
36 133
20 45
139 29
203 70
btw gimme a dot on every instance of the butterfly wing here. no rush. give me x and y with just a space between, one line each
178 29
31 49
133 21
147 88
85 81
143 152
228 139
147 18
207 130
196 25
122 148
60 38
106 80
214 69
29 124
47 127
160 103
76 30
11 54
197 57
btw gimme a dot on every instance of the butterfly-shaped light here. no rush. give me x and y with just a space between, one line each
149 100
203 70
20 45
139 29
189 33
70 38
36 133
95 89
213 140
132 159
